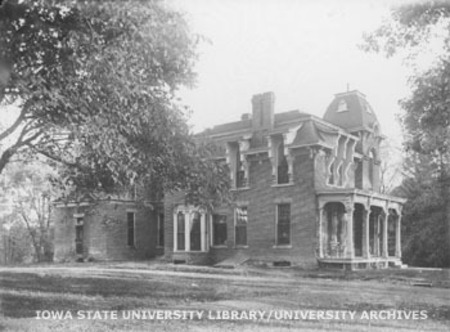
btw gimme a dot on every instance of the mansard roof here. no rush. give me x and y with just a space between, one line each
351 111
310 129
281 119
348 113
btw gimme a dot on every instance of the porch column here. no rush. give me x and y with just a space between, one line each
377 236
175 230
384 250
203 232
398 244
187 230
348 217
319 234
365 233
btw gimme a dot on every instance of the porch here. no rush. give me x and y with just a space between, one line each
357 229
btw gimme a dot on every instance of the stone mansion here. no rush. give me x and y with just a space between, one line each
307 193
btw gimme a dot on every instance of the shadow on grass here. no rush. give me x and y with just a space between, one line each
22 294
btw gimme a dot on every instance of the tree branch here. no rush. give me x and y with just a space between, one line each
51 156
9 152
16 124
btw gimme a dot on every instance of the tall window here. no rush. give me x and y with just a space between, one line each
371 166
331 174
219 230
340 172
131 228
79 232
241 220
240 175
160 240
180 231
358 173
282 168
284 224
195 232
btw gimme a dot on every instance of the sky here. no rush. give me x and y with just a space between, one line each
305 51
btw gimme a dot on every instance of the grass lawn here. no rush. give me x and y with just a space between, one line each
279 300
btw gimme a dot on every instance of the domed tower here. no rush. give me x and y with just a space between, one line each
351 111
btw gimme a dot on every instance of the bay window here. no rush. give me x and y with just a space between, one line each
190 229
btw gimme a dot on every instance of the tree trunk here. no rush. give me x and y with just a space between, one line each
445 192
36 246
447 219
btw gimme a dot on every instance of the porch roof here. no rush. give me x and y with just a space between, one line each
367 198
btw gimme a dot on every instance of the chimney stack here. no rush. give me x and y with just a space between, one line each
246 116
263 111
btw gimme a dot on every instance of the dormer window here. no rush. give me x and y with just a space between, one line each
342 106
240 175
340 172
282 167
238 166
372 158
368 108
331 174
281 160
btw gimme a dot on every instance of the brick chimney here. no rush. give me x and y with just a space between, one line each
246 116
263 111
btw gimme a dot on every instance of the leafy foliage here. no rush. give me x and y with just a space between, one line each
426 124
27 195
96 82
424 215
411 27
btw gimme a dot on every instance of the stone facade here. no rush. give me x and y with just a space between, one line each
105 230
306 192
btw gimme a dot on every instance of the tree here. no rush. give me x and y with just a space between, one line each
27 193
96 83
390 167
14 242
424 227
426 121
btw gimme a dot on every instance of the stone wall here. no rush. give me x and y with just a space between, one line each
105 232
261 199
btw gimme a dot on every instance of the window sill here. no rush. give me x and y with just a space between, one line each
190 252
281 185
219 246
282 246
241 246
240 189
